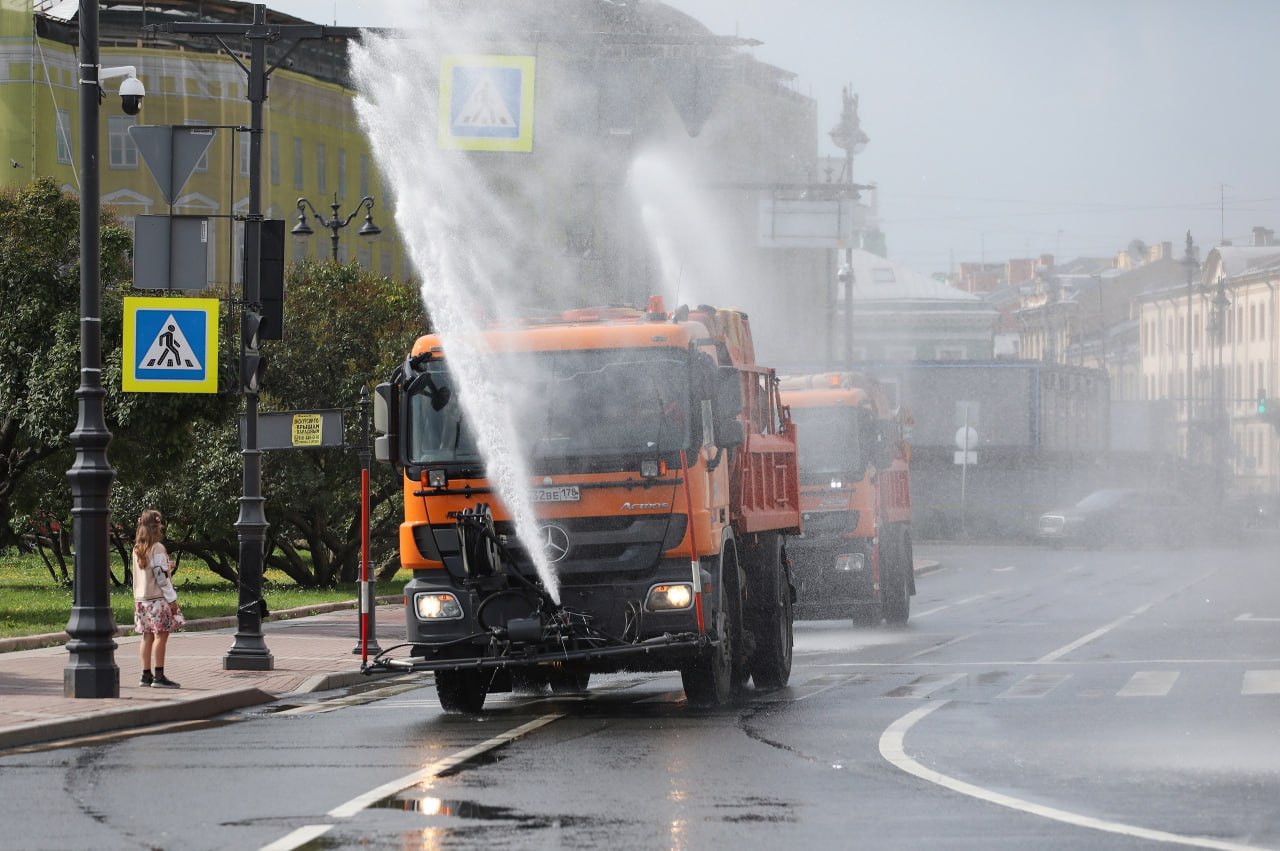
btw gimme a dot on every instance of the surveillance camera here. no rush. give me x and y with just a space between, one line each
131 94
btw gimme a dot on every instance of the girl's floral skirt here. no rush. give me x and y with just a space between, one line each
155 616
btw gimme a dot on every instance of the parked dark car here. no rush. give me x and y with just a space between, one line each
1255 511
1136 516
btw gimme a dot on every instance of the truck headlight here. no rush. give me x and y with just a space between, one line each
437 478
439 606
649 468
851 562
665 598
836 483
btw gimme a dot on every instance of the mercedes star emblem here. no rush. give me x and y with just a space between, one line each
555 542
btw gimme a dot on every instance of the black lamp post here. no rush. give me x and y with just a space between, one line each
1189 260
91 670
848 136
1220 306
249 650
336 223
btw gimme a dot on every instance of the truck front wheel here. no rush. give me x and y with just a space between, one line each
462 691
708 679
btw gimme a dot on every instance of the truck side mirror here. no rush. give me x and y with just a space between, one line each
729 431
385 416
877 450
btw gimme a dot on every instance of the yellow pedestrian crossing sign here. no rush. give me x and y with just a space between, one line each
486 103
170 345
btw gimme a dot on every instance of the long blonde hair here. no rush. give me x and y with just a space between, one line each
148 535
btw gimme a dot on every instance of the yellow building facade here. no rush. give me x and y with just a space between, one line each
312 146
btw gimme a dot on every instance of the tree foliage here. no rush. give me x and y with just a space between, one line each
345 329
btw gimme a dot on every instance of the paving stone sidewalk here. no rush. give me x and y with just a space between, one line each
312 652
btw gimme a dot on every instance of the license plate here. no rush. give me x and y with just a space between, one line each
563 493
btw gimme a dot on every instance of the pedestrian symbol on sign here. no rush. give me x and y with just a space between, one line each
170 349
170 345
486 103
485 108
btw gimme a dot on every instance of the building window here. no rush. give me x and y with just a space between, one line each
202 164
275 159
322 182
121 152
364 175
297 163
952 353
342 172
64 137
244 151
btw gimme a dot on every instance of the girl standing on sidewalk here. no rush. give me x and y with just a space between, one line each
155 602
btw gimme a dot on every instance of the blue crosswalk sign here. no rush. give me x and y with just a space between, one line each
486 103
170 345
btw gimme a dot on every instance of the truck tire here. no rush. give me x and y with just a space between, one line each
462 691
895 583
708 678
772 615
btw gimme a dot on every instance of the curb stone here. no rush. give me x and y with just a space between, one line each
195 709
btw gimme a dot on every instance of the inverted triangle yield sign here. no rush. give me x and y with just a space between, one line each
171 153
695 85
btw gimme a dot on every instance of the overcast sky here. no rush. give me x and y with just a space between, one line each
1011 128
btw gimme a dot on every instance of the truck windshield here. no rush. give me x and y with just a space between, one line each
572 404
828 440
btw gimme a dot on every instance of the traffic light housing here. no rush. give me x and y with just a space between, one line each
253 364
1269 410
271 280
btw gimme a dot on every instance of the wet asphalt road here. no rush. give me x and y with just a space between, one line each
1046 699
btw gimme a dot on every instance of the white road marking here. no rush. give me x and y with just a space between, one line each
963 602
438 767
303 835
955 640
1149 684
1034 686
1248 616
299 837
1101 631
892 749
923 686
1003 569
826 682
1261 682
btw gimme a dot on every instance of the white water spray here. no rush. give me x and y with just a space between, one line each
685 229
462 241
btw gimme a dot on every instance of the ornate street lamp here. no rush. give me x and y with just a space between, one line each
336 223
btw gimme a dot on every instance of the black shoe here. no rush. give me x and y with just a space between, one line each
162 681
147 679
